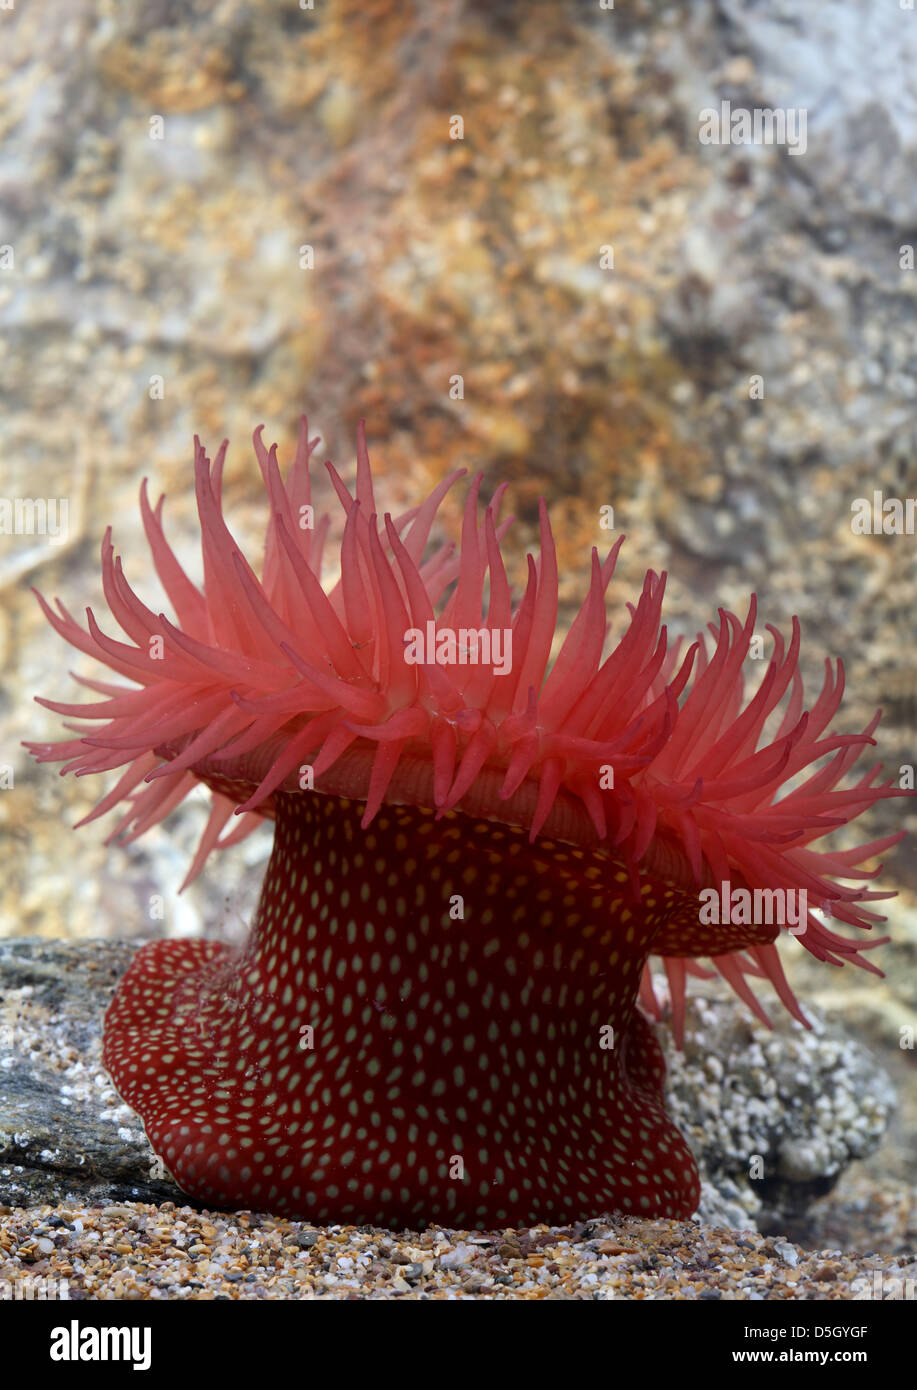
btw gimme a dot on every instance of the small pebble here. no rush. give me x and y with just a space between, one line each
454 1259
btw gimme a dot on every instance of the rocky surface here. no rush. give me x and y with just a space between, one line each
63 1130
775 1117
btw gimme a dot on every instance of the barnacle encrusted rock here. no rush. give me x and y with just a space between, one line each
773 1118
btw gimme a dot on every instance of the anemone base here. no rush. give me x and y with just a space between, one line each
433 1021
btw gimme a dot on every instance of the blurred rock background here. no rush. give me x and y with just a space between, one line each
153 288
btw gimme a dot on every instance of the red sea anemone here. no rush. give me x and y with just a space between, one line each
436 1015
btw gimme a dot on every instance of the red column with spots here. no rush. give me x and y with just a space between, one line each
432 1021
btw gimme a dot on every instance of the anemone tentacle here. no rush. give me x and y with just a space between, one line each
283 672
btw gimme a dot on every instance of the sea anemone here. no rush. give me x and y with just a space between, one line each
436 1014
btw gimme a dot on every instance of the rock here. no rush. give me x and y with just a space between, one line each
64 1134
727 1203
454 1259
787 1252
773 1118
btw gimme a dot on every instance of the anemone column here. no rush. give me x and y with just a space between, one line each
474 1055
